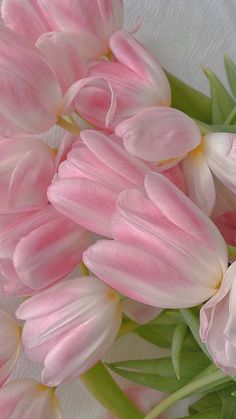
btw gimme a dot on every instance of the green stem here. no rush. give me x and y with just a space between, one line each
231 250
101 384
67 126
187 390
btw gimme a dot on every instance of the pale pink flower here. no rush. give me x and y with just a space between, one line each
10 341
89 181
226 223
159 134
214 160
217 323
136 77
38 245
27 399
92 20
163 244
70 327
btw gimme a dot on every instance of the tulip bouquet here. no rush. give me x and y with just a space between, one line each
127 226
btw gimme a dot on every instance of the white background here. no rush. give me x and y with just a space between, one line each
186 35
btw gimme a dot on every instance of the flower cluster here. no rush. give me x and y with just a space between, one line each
155 183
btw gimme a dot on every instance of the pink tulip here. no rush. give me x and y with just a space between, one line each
38 245
163 244
26 168
27 399
10 339
214 159
70 327
217 320
159 134
92 20
31 97
89 181
136 78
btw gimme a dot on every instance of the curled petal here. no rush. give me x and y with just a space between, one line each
159 134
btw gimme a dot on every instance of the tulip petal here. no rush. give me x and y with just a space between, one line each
137 58
138 312
220 154
25 17
199 182
87 203
10 338
30 94
12 284
142 276
54 249
183 213
55 45
159 134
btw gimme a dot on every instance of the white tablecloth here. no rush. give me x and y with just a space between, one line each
186 35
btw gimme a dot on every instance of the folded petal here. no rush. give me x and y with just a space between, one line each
55 45
138 312
30 93
199 181
159 134
89 204
12 284
26 398
25 17
220 154
137 58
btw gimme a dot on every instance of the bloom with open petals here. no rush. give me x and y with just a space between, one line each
27 399
163 245
70 327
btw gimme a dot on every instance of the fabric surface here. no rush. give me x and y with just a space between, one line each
186 35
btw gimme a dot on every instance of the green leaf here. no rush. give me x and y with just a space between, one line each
160 335
189 100
228 403
230 68
176 347
159 373
206 403
222 102
216 128
168 316
207 414
193 323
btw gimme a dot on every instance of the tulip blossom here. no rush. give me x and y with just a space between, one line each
10 339
92 20
163 244
27 399
89 181
159 134
214 158
136 78
70 327
26 167
38 245
217 323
